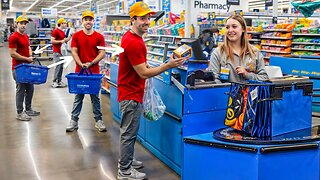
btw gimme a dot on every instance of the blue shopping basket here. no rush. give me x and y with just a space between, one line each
31 73
84 83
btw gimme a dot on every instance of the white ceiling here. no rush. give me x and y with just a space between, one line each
24 5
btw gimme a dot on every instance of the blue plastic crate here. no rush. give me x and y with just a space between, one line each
30 73
84 83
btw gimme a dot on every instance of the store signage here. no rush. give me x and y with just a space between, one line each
5 4
211 6
233 2
47 12
269 2
166 5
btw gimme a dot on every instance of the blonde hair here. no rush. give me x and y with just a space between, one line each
245 46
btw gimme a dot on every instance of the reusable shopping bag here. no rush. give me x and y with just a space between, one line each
249 108
153 107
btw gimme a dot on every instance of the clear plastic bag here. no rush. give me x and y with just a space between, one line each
153 107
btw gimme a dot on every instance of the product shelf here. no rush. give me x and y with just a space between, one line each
300 34
278 52
278 45
256 40
161 46
305 43
281 38
276 30
303 49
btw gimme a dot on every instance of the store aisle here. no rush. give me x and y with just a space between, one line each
42 150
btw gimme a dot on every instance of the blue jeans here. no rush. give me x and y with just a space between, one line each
24 92
130 120
77 106
59 69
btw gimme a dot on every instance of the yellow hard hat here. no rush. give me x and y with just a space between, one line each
140 9
61 21
22 18
87 13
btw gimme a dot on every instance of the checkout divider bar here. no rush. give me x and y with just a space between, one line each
272 149
220 145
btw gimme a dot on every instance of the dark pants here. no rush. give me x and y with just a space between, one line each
130 120
24 92
77 106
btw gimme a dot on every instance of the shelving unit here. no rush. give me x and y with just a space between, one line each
44 38
305 44
156 49
276 42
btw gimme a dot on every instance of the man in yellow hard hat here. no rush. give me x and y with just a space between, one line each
20 51
57 39
133 71
86 55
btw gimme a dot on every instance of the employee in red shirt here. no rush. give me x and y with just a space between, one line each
133 71
57 39
20 51
86 55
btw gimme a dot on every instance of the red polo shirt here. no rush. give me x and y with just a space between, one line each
58 35
21 43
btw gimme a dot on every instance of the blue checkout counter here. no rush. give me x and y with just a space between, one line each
190 110
227 154
302 67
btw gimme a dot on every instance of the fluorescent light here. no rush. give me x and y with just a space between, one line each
108 2
57 4
75 6
32 5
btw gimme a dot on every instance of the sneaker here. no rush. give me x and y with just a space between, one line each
33 113
131 174
100 126
55 85
73 125
136 164
23 117
61 85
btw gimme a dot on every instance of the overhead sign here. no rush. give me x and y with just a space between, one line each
47 12
233 2
5 4
221 6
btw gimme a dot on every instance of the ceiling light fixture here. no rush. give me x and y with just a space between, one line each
108 3
34 3
57 4
75 6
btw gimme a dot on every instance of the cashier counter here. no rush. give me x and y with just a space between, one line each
194 105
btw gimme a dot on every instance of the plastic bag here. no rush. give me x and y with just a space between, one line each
153 107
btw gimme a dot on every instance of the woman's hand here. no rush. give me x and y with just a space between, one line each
241 70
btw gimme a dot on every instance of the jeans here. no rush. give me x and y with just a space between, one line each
24 92
77 106
58 70
130 120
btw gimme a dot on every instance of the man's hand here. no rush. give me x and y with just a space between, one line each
87 65
30 59
176 62
241 70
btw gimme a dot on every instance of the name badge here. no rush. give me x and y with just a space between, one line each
224 73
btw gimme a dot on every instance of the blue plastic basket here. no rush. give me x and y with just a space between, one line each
31 73
84 83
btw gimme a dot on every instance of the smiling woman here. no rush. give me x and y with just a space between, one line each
236 60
